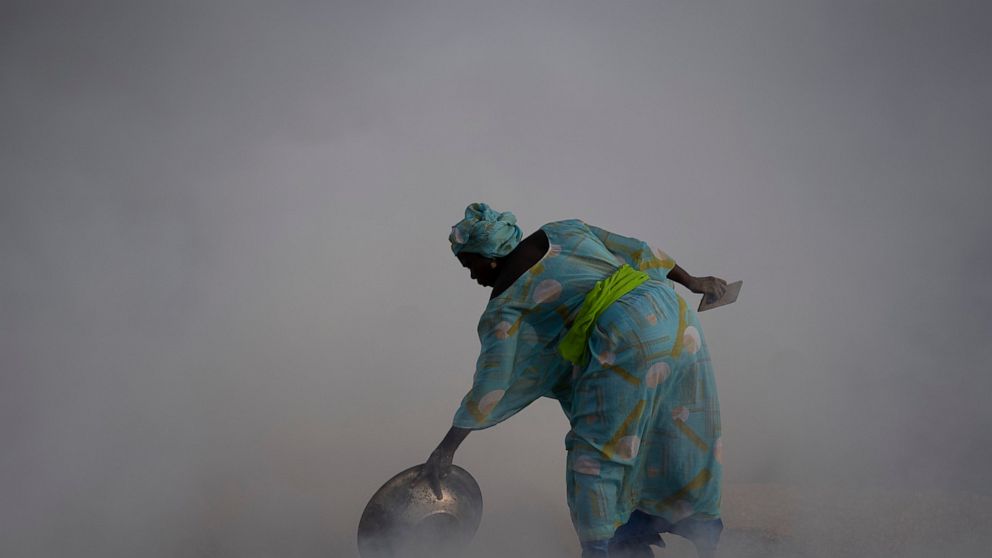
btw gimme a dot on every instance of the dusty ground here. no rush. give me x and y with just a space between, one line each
772 520
782 521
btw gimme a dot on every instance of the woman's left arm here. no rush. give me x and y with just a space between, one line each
713 286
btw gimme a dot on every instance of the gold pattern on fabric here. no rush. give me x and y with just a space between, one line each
627 376
473 409
520 319
680 332
655 263
525 290
691 434
696 483
611 447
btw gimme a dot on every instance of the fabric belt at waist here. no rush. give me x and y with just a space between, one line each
574 345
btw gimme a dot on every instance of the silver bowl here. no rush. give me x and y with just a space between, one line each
405 519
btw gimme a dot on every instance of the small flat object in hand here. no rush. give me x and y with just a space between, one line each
729 295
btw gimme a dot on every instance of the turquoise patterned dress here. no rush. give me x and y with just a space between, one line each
644 415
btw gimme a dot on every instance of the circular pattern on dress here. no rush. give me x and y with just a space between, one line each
627 447
502 330
660 254
554 250
488 401
547 291
680 413
691 340
657 374
458 235
586 465
606 358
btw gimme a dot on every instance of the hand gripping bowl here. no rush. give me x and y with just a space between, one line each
404 518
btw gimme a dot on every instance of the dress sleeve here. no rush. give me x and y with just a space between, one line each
509 374
636 253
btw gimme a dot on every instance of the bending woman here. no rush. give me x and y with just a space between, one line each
591 318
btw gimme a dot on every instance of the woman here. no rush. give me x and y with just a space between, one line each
591 318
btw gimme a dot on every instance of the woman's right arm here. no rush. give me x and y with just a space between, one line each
636 253
641 256
438 465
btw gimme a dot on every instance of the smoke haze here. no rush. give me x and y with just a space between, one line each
229 309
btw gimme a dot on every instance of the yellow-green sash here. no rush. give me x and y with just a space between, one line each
623 280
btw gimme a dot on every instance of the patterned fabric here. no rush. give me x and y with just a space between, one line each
485 231
645 421
573 346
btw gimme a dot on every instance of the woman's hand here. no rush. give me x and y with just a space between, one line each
437 467
439 463
710 287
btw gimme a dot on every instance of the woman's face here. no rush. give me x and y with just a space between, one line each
480 267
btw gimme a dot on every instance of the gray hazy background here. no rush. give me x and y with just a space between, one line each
229 311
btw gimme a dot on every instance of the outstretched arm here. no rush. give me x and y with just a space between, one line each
656 263
714 286
439 463
635 253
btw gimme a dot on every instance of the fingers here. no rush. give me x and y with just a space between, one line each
435 483
717 286
432 477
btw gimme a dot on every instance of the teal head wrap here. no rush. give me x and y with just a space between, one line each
485 231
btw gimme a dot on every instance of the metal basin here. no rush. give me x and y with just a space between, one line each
405 519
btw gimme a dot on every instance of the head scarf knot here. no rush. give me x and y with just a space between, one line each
485 231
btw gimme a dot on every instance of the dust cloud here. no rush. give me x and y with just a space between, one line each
230 313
